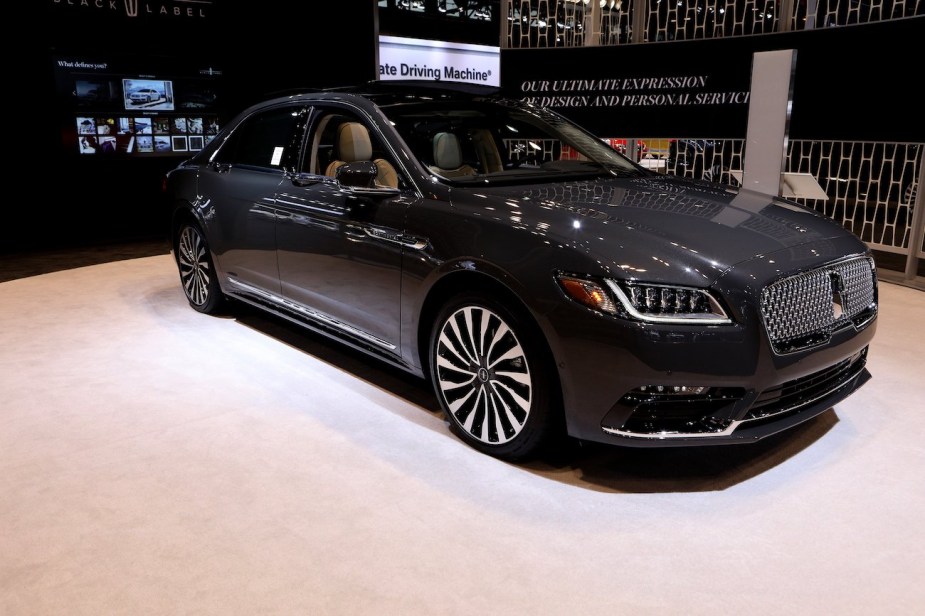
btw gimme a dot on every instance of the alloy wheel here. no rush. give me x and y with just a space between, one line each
483 375
195 267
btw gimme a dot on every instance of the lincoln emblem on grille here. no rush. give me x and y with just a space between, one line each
838 295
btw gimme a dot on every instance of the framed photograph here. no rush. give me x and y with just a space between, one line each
95 93
195 142
125 143
108 145
144 144
88 144
148 94
143 126
105 126
86 126
179 143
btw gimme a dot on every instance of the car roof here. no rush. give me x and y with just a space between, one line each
397 91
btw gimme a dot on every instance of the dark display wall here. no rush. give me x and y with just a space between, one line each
851 83
205 60
216 57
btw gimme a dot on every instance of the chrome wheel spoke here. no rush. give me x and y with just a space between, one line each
193 261
483 375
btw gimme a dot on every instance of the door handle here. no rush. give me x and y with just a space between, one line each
306 179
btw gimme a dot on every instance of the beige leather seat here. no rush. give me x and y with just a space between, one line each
448 157
353 144
487 150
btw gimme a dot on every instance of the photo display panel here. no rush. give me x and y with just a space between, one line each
141 107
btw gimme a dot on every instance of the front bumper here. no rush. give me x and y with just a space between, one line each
648 385
693 419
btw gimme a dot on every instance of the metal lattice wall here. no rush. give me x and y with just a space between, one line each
535 24
871 186
668 21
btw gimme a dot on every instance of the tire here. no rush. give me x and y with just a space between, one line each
492 378
197 272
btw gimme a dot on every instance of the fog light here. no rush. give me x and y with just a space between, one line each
678 390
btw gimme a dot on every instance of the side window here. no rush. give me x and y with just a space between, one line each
268 139
323 150
338 137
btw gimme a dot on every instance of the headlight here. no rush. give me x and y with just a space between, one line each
668 304
653 303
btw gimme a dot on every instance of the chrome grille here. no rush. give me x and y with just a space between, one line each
803 310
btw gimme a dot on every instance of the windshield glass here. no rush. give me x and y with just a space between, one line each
475 141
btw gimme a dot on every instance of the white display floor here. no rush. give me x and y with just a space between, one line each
154 460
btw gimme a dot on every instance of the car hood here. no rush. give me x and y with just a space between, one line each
661 228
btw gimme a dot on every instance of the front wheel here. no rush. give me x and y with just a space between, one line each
492 378
197 272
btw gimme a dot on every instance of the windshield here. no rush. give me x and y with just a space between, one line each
475 141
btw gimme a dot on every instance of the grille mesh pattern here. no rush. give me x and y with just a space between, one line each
799 311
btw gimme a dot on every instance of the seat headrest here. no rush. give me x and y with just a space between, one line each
447 154
353 142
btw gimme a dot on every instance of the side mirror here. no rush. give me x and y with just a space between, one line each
360 174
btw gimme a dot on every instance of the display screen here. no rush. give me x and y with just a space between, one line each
136 108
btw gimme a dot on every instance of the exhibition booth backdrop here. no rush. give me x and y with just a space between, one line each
89 58
852 120
164 77
689 89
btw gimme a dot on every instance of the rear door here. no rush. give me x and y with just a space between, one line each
241 183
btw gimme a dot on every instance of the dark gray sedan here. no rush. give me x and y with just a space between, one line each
545 284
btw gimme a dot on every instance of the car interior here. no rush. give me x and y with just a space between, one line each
448 157
339 141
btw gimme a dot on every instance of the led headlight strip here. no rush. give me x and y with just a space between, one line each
669 304
652 303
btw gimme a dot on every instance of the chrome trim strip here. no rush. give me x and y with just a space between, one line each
396 238
671 435
312 314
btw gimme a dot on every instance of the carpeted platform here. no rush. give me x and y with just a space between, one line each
154 460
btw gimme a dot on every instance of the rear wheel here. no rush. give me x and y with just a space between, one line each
197 273
492 378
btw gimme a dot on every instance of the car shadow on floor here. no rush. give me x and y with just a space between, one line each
702 468
594 466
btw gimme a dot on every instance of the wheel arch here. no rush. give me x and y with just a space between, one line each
480 282
182 211
470 286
